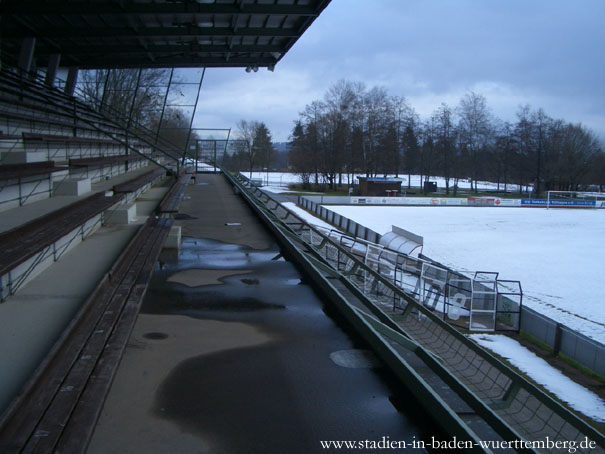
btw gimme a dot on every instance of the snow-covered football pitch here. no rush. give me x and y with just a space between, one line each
557 254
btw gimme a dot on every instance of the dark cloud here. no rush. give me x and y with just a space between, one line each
545 53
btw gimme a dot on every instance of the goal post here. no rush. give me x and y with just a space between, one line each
575 199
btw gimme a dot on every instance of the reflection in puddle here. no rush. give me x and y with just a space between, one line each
197 277
155 336
288 390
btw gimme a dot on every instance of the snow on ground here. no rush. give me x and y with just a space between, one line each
277 182
305 216
557 254
578 397
201 166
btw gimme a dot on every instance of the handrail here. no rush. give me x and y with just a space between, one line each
50 94
543 402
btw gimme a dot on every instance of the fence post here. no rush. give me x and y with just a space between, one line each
557 343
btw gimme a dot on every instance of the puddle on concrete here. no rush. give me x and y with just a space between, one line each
355 359
197 277
250 281
281 396
155 336
198 304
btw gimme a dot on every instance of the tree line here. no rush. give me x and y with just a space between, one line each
355 130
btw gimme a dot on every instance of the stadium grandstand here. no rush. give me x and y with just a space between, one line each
88 195
150 307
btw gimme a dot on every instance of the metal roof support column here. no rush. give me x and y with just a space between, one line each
226 145
104 95
51 70
72 79
199 88
26 54
214 164
157 133
134 98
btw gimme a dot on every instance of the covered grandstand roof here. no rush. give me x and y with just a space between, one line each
156 33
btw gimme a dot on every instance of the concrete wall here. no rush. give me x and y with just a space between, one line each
18 192
563 339
32 267
100 173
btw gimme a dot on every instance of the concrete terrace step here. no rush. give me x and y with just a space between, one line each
59 406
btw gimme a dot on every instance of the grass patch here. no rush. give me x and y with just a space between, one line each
580 367
543 345
563 357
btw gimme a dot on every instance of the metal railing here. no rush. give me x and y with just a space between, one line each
85 114
480 302
509 402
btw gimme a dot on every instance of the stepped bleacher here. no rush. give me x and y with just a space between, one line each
53 145
67 171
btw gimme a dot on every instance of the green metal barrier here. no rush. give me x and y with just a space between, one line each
470 392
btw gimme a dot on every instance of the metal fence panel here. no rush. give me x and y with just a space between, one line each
535 324
573 344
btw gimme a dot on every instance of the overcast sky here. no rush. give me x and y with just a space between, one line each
546 53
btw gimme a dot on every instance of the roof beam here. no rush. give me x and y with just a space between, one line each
28 7
179 60
158 49
160 32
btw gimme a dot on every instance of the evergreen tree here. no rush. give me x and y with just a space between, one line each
263 145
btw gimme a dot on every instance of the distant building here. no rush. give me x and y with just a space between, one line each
380 187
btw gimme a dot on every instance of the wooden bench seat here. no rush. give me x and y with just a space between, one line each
31 100
10 137
136 183
81 362
59 119
27 137
27 89
171 201
101 161
17 171
21 243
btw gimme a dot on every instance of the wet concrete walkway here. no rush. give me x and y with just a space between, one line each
233 353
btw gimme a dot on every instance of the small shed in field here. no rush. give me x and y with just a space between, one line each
379 187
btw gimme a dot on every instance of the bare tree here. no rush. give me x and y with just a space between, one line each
411 150
246 131
353 129
474 127
312 118
502 154
580 146
402 114
443 119
339 109
125 93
